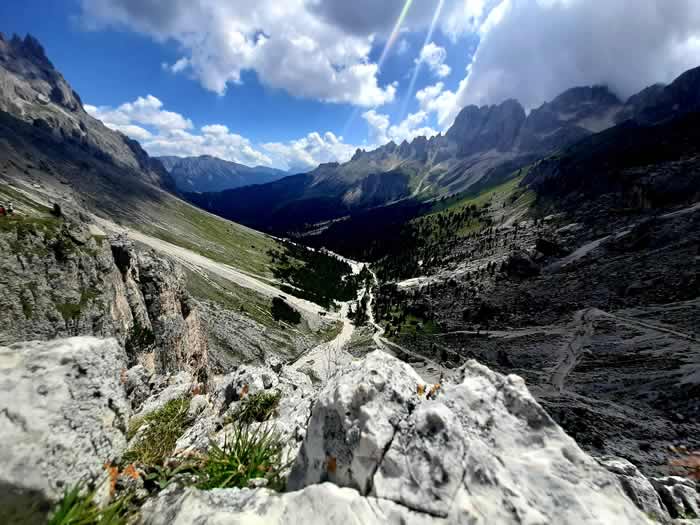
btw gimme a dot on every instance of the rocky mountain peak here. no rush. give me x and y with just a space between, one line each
477 129
680 97
574 99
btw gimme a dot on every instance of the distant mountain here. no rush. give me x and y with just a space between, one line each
206 173
484 146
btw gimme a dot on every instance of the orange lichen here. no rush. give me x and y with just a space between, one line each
421 390
113 473
244 391
131 471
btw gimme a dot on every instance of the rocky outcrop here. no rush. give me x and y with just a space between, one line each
167 333
375 445
63 414
637 487
663 499
58 280
468 454
318 504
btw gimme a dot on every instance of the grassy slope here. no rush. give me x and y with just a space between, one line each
182 224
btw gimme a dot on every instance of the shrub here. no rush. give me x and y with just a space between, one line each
77 507
165 426
256 407
247 453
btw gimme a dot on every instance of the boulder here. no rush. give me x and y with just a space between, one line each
353 422
479 450
680 495
63 414
637 487
316 504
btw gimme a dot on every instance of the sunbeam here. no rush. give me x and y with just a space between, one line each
414 78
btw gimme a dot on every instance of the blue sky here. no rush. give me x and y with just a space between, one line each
295 83
110 64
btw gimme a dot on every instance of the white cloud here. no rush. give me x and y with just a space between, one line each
434 57
145 111
381 130
362 17
533 50
287 44
310 151
172 134
436 99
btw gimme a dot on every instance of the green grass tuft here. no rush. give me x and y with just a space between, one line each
247 454
78 508
256 407
164 427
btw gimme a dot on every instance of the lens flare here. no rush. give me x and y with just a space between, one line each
385 52
395 33
414 78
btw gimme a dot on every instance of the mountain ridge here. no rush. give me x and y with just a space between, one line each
484 144
206 173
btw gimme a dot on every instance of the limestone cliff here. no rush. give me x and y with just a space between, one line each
58 280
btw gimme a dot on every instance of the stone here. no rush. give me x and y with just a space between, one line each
315 505
353 421
680 496
198 404
480 450
63 414
137 385
637 487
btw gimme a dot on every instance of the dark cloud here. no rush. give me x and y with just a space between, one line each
532 50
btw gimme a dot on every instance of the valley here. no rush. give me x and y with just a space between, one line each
496 324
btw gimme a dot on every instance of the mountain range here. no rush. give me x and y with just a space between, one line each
484 146
210 174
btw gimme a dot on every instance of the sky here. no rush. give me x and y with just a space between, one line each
294 83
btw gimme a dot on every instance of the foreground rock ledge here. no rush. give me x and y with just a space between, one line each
482 451
63 413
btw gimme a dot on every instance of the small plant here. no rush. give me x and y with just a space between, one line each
78 507
247 453
165 426
256 407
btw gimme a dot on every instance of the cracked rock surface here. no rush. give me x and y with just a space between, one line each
481 451
63 414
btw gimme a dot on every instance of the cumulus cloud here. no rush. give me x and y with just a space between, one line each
533 50
362 17
287 44
381 130
163 132
308 152
434 57
146 110
436 99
